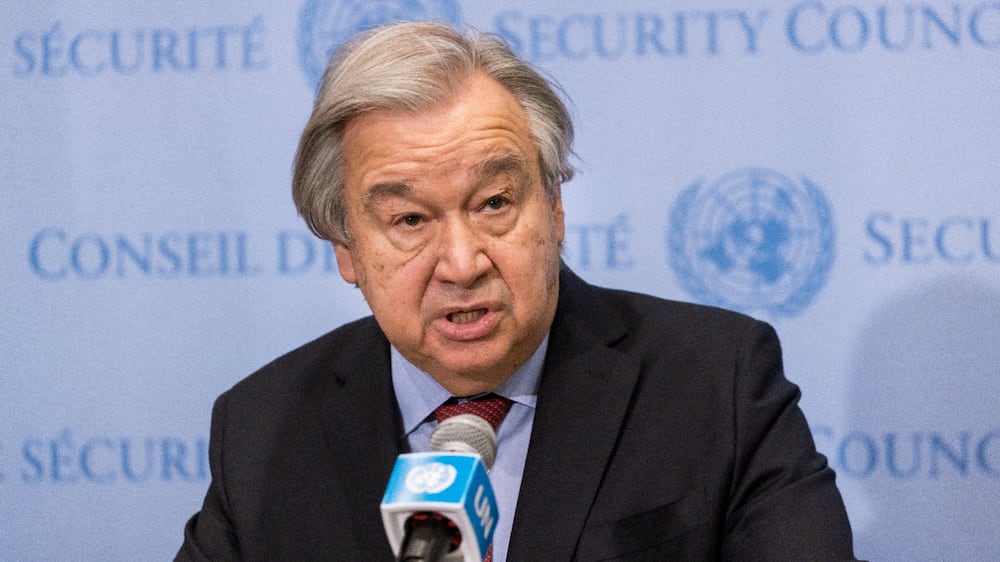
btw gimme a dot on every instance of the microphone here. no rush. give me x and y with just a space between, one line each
440 505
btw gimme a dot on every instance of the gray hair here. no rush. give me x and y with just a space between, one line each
412 67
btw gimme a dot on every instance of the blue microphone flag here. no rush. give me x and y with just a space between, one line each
454 485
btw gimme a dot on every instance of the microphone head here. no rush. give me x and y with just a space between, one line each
466 433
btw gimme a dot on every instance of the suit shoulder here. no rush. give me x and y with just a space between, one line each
317 361
643 311
638 320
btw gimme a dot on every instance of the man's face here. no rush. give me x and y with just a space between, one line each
456 244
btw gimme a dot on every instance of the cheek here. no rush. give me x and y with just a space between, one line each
532 266
391 283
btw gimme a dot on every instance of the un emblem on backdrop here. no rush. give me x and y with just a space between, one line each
753 240
325 24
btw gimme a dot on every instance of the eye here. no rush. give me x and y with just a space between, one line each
495 203
411 220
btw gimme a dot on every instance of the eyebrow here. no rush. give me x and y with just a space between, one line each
385 190
500 165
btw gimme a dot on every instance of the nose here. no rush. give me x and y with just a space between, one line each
462 258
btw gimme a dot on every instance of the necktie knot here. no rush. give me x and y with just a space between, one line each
490 407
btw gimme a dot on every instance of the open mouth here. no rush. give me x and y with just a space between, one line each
465 317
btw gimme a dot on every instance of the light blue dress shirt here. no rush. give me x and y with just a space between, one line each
418 394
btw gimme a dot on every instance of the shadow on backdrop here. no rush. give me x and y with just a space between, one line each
922 455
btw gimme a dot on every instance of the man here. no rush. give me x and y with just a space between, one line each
640 429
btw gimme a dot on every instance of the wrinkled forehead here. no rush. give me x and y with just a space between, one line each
476 106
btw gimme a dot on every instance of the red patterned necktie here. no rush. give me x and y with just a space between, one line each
490 407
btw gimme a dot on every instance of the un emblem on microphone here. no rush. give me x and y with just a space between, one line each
325 24
753 240
430 478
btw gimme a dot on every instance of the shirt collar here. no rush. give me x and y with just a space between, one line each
418 394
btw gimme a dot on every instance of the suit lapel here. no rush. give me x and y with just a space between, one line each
583 398
361 426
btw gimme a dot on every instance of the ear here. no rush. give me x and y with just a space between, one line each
345 263
558 216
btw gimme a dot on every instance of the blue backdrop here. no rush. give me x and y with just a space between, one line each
829 166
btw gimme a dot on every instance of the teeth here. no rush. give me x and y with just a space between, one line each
466 317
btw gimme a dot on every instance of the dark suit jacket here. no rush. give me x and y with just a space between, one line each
663 431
